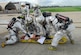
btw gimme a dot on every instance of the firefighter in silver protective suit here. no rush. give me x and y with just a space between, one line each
64 27
47 24
13 27
39 20
25 9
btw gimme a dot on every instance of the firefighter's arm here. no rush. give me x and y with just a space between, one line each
18 25
22 29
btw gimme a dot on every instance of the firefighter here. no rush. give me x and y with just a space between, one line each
25 9
64 27
48 25
39 20
13 27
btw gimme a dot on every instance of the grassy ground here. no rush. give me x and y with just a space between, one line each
61 9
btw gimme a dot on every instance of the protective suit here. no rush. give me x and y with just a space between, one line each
39 19
30 26
25 9
28 19
13 28
51 29
64 27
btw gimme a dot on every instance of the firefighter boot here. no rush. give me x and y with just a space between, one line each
3 44
52 48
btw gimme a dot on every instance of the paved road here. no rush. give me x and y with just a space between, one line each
37 49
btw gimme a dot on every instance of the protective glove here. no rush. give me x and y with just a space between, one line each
27 35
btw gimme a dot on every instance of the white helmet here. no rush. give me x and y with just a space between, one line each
22 4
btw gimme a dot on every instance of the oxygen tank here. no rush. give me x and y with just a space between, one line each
11 23
61 17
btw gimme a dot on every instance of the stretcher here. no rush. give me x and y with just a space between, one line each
47 41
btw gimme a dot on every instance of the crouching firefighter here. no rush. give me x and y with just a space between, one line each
13 27
64 28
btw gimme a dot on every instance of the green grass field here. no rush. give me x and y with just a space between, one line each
61 9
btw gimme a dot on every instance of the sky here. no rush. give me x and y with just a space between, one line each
50 2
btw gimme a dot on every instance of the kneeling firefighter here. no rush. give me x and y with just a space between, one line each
64 28
13 27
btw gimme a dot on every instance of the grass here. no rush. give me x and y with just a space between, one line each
61 9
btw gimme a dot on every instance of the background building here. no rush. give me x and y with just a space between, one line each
8 7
